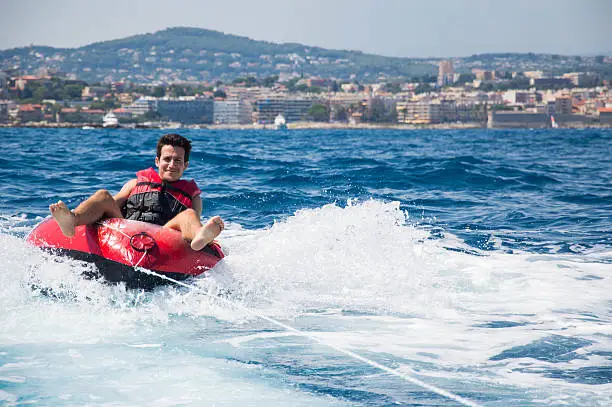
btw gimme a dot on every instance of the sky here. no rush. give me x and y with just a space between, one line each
404 28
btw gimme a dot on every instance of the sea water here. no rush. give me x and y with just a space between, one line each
472 263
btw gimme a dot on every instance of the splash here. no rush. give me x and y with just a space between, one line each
367 278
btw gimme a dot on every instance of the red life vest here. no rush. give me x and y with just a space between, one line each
156 201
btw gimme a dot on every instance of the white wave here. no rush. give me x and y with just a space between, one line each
360 276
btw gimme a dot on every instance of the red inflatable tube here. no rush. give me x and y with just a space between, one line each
118 246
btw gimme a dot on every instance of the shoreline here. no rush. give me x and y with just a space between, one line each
300 126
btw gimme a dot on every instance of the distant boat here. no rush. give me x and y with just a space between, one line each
553 123
86 127
149 125
171 125
110 120
280 122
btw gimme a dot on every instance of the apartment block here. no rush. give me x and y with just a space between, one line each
605 115
563 105
484 75
3 85
581 78
4 115
30 113
187 110
516 97
446 73
507 119
232 112
418 112
142 105
293 109
550 82
439 111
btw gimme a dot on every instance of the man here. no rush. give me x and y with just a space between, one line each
159 197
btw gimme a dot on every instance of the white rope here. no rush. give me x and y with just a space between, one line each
113 228
310 336
430 387
141 259
129 238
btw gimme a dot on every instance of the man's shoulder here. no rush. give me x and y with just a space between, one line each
147 173
193 187
131 184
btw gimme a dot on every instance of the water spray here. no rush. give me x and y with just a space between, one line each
408 378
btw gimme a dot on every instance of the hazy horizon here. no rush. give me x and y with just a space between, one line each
399 28
606 53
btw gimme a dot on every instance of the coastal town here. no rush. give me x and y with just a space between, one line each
480 98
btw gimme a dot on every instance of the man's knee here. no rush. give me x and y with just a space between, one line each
103 194
184 219
189 213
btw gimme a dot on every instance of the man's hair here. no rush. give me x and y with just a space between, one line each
175 140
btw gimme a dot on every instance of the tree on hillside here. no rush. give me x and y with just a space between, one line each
270 81
375 112
302 87
159 91
393 87
423 88
340 113
465 78
520 82
319 113
72 92
486 87
291 84
106 104
151 115
250 82
427 79
177 91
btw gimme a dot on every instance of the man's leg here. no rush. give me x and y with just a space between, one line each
99 205
188 223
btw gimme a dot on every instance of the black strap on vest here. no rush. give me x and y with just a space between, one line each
164 186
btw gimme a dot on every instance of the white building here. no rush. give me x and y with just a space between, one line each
232 112
142 105
3 85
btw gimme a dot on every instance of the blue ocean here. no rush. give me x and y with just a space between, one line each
363 268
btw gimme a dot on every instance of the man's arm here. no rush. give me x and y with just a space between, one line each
122 196
196 204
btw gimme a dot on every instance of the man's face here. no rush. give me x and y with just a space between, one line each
171 164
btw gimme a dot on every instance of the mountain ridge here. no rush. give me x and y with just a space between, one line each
199 30
199 54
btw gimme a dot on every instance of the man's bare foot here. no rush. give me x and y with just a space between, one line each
207 233
64 218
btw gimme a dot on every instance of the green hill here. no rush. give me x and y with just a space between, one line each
198 54
195 54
